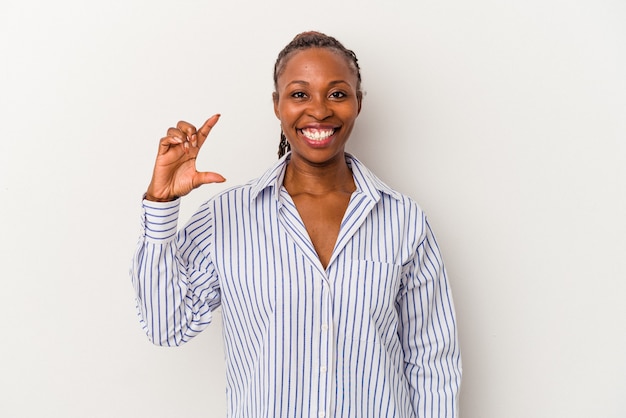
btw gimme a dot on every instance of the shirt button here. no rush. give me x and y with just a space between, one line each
324 327
322 414
323 369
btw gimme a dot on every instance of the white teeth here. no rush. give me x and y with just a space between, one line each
317 134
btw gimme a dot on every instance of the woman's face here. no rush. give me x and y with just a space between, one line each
317 102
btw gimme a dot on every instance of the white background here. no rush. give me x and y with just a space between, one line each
505 120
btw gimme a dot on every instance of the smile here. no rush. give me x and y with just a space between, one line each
317 134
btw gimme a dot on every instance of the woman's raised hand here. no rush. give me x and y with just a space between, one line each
175 171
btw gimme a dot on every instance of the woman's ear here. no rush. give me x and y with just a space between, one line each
275 99
359 98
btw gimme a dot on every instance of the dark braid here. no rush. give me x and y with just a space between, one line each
283 146
307 40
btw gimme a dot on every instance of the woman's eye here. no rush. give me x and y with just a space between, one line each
338 95
298 95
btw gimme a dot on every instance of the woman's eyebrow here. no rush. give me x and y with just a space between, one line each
306 83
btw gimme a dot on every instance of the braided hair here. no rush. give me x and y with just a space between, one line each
307 40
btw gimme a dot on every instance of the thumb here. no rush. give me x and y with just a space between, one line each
207 177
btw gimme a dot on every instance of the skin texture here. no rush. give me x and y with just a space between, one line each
317 91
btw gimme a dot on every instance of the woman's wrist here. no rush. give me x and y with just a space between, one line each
148 196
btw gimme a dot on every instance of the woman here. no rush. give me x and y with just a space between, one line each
334 296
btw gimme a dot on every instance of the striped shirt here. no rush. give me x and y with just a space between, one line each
372 335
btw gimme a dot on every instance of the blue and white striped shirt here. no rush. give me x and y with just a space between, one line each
372 335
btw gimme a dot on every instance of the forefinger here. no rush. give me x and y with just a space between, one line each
205 129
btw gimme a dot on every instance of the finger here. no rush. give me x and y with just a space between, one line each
167 142
177 133
205 129
206 178
180 135
189 131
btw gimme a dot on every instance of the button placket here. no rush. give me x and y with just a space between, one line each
326 351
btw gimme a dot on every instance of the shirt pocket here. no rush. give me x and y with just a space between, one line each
365 295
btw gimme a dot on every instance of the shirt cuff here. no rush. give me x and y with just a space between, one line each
160 219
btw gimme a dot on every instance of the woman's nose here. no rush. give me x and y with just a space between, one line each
319 109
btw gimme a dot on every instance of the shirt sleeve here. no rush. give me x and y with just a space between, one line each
428 332
175 282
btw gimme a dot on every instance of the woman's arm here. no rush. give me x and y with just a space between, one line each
428 332
176 286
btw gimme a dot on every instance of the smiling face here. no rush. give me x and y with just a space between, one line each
317 101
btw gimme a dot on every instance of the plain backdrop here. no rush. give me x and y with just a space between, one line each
505 120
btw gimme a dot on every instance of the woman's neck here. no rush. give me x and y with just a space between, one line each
304 177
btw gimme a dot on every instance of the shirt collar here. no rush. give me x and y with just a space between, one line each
366 182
